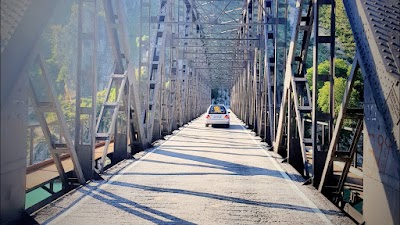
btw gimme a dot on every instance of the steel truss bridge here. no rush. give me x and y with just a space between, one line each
256 49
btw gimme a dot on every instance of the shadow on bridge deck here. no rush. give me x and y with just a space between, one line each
198 176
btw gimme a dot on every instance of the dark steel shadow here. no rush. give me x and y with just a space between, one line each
225 198
181 164
211 142
176 174
235 168
224 129
118 201
225 153
204 137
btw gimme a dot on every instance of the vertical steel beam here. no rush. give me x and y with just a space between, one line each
173 61
295 79
318 154
139 87
369 21
52 105
13 153
314 127
155 74
339 125
116 111
167 78
280 46
15 56
86 80
270 34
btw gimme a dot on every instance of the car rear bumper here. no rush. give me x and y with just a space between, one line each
221 121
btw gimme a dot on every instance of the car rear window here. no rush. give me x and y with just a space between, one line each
217 109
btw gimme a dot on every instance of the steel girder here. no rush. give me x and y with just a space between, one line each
139 108
255 95
108 128
244 100
319 154
278 66
296 84
157 73
85 117
219 23
169 77
376 33
380 69
174 95
347 157
51 105
17 53
253 87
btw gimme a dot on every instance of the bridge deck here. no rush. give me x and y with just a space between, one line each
201 175
38 175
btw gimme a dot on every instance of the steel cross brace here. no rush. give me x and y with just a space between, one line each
293 79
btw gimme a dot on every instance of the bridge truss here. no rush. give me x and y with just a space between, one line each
257 49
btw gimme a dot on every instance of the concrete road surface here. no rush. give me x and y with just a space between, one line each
200 175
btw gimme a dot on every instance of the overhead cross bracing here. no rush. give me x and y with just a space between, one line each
219 22
127 73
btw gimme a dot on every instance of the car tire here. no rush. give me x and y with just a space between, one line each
227 125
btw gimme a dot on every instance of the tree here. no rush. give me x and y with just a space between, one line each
339 89
342 69
358 84
343 32
144 38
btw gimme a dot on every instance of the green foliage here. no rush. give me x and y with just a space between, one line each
62 74
142 78
144 38
323 53
51 117
342 69
346 50
55 37
339 89
61 61
101 95
358 83
86 102
343 33
68 108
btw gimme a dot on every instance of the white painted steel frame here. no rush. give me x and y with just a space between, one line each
53 106
116 29
85 143
290 83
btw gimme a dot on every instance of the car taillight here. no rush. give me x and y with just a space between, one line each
208 117
227 117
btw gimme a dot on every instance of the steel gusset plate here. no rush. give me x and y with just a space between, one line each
376 30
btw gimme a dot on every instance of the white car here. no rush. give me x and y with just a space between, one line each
217 115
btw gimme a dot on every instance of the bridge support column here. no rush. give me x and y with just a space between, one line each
14 106
381 167
381 147
85 117
14 123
